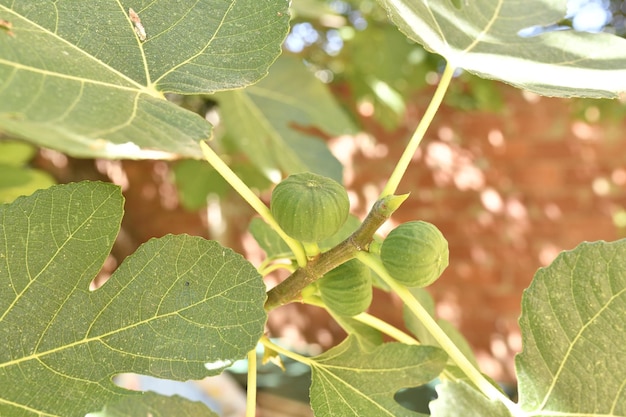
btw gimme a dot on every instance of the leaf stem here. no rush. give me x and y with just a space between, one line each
420 131
252 385
255 202
369 320
386 328
286 352
474 375
265 269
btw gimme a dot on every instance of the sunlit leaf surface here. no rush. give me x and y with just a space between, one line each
78 76
490 38
455 396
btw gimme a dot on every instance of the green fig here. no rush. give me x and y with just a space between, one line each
415 253
309 207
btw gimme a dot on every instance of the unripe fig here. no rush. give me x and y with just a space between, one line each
347 289
309 207
415 253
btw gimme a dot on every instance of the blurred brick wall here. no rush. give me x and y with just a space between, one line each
509 191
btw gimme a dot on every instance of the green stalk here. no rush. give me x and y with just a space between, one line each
369 320
474 375
420 131
255 202
265 269
290 288
386 328
292 355
312 249
251 388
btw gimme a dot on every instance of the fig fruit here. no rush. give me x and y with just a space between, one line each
415 253
309 207
347 289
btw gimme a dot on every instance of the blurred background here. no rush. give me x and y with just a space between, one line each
510 178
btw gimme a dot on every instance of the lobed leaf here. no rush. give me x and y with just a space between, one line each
180 307
75 76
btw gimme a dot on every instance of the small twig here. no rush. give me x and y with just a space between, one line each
290 288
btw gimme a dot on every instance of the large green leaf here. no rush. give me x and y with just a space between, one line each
350 381
482 37
180 307
75 76
269 121
574 334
